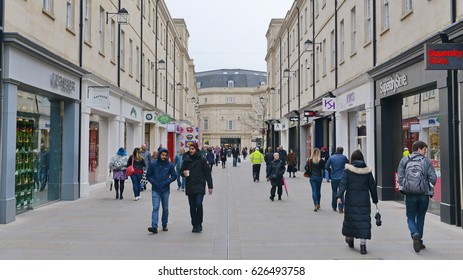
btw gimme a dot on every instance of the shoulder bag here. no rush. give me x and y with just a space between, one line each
129 171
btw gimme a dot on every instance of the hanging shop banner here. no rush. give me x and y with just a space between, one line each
149 117
444 56
98 97
164 119
329 104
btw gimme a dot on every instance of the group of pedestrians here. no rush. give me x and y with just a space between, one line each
191 171
353 189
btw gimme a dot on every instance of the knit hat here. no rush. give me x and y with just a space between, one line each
195 145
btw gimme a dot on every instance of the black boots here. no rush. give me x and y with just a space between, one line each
197 229
122 190
350 242
363 249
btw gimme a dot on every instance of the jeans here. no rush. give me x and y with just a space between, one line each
267 170
334 189
196 209
43 178
235 160
180 181
157 199
416 208
136 178
316 184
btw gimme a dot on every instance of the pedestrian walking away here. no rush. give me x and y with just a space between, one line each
276 171
268 158
118 165
325 155
336 164
178 161
316 165
210 158
223 157
161 173
256 158
138 164
197 173
423 176
146 155
292 163
358 184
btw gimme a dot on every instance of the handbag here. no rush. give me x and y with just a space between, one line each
143 180
130 170
109 183
308 172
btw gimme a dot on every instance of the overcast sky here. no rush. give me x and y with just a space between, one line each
228 33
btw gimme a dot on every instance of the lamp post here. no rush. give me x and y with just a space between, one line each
122 18
178 87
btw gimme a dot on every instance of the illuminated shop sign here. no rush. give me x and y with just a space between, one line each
393 83
444 56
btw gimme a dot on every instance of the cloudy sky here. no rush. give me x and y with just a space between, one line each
228 33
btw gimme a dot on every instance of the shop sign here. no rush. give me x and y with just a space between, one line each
444 56
164 119
99 96
393 83
329 104
294 119
277 126
65 84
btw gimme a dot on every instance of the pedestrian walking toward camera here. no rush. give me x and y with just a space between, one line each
276 171
316 165
146 155
210 157
197 173
138 164
336 164
178 161
292 163
235 153
117 165
358 184
223 157
256 158
416 176
160 174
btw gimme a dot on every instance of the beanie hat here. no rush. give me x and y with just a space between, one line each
195 145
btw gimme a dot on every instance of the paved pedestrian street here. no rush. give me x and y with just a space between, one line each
240 223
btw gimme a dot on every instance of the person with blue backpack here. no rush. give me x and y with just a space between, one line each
416 176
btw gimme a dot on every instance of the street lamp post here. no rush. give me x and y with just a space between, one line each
178 87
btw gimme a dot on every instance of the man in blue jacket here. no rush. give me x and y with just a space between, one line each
337 163
161 173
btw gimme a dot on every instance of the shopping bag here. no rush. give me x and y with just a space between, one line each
143 180
109 183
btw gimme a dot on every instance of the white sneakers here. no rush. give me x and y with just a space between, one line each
137 198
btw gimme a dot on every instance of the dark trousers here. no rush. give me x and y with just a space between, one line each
196 209
274 188
256 171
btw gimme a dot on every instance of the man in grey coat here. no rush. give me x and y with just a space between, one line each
417 204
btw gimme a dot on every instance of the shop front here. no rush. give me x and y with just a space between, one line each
40 128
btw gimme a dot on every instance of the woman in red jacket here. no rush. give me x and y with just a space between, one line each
138 164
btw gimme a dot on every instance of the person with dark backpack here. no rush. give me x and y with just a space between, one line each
416 176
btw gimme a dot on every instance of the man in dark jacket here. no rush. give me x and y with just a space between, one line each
197 172
160 174
268 158
235 153
337 163
277 169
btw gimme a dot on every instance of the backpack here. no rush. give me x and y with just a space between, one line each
117 164
414 180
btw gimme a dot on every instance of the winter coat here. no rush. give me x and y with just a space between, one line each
210 157
292 162
200 173
337 163
277 169
256 157
118 162
178 161
160 174
358 185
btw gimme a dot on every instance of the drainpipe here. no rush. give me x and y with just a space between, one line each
156 58
2 24
298 90
314 53
281 89
81 57
141 48
289 65
167 62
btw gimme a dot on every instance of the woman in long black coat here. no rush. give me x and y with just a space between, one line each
358 184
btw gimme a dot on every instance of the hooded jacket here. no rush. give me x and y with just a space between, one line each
200 173
161 173
358 184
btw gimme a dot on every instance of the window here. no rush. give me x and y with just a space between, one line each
149 13
112 53
310 16
48 6
231 84
230 100
205 99
368 25
122 53
205 124
87 27
130 57
198 85
230 125
137 63
407 6
342 40
332 52
70 14
316 8
385 19
323 46
143 77
353 37
317 67
101 29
